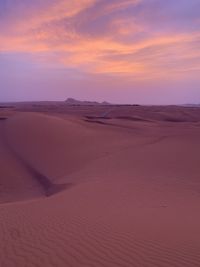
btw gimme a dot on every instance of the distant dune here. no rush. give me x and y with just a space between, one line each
99 186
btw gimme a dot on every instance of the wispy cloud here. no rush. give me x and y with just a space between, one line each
143 38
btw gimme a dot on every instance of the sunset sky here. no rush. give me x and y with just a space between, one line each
123 51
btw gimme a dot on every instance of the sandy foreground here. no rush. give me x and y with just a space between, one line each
99 186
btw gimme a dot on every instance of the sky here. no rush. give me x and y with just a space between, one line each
122 51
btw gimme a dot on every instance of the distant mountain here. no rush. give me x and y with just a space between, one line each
72 101
105 103
191 105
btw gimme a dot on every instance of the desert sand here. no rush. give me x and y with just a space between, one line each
99 186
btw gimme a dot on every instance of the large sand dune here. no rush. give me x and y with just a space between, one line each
99 191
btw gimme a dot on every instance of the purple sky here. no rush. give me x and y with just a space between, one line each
125 51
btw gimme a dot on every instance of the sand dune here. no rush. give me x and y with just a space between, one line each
56 147
123 193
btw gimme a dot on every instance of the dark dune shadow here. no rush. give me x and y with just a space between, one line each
97 117
97 121
6 107
174 119
131 118
44 182
48 187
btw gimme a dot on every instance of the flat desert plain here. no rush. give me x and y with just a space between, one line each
99 186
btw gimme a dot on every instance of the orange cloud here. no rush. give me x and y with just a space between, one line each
122 50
